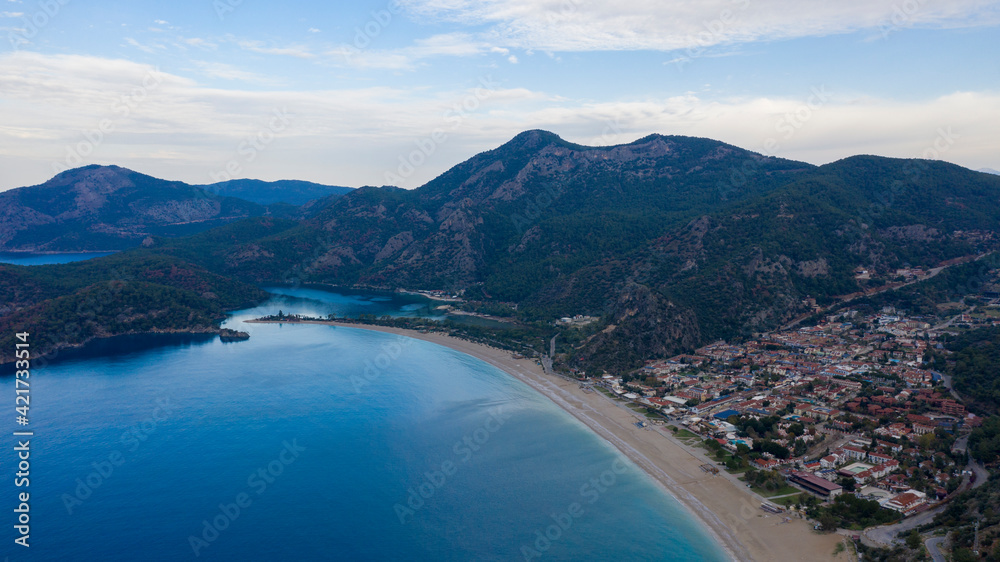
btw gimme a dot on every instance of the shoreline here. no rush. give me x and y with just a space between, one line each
728 511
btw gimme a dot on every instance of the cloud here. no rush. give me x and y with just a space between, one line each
144 48
589 25
11 14
297 51
177 128
313 30
161 22
199 42
360 55
229 72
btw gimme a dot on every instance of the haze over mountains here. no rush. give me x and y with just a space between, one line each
292 192
672 241
98 208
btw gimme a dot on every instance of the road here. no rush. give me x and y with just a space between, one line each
981 474
949 321
890 287
946 379
887 536
934 548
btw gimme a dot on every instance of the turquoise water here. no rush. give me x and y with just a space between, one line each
20 258
314 442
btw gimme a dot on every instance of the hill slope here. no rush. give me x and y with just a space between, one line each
69 304
292 192
97 208
671 241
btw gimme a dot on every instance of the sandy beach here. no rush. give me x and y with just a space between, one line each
727 508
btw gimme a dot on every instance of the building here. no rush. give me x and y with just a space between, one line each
906 502
815 484
952 408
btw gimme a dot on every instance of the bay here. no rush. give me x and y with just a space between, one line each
311 442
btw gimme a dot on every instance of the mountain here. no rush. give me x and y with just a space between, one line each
990 171
478 223
96 208
292 192
671 241
69 304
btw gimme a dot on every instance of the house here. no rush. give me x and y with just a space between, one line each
878 458
855 453
907 502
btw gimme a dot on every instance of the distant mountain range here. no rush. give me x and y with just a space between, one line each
990 171
293 192
96 208
672 241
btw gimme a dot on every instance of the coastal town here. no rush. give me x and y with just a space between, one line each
850 406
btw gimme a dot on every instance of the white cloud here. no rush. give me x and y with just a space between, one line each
359 55
161 22
176 128
229 72
297 51
313 30
144 48
11 14
199 42
587 25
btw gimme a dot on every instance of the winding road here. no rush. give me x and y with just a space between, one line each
934 548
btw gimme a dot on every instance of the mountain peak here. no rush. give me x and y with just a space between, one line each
534 139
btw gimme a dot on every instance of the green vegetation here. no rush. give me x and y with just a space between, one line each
69 304
850 512
976 362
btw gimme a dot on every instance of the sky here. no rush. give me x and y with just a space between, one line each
397 92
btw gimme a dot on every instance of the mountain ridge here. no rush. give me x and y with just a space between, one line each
106 208
671 241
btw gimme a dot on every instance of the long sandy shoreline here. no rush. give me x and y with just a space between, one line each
727 508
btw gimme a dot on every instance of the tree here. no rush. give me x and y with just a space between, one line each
913 540
827 521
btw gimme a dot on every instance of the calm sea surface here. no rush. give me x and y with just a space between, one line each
21 258
320 443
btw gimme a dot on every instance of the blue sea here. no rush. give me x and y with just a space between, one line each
24 258
311 442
